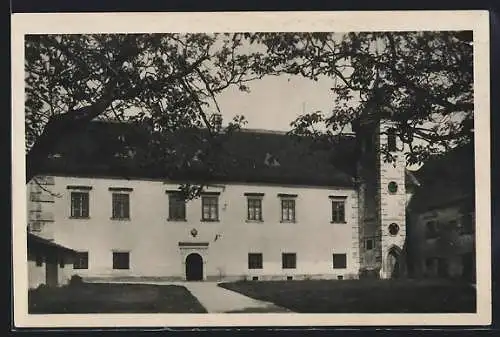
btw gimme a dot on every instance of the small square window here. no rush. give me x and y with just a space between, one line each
254 260
81 260
339 261
121 260
255 278
289 260
289 278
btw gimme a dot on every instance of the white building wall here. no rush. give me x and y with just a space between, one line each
36 274
153 240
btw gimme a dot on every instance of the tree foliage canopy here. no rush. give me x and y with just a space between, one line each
422 80
166 81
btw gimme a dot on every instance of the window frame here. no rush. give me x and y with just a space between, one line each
115 255
284 260
344 265
254 204
260 261
77 265
372 241
204 198
115 202
293 210
83 211
338 200
175 200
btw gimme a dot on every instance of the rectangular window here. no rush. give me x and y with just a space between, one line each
81 260
338 211
289 260
339 261
121 206
431 229
176 207
79 204
369 244
254 209
121 260
288 210
254 260
391 140
210 208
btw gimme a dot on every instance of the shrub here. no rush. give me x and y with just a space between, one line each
42 286
75 280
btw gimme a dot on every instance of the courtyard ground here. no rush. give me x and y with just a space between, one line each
113 298
363 296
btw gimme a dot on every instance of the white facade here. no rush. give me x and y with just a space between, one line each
158 247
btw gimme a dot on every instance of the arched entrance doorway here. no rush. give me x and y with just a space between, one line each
394 263
194 267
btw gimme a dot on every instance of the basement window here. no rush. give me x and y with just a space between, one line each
121 260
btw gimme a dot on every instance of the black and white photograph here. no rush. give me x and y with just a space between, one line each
267 171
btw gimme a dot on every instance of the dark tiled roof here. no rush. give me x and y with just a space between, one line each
249 156
446 179
35 240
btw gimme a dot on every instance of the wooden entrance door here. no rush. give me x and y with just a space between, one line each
194 267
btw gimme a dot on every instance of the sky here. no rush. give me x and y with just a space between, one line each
274 102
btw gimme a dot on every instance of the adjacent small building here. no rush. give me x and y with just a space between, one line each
49 263
441 235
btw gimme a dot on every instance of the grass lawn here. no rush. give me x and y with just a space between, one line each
362 296
113 298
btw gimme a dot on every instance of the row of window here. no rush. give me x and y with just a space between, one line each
465 225
121 260
209 207
289 261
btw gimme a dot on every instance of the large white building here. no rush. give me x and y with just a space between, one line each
281 209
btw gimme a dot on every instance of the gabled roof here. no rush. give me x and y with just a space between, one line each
248 156
446 179
37 241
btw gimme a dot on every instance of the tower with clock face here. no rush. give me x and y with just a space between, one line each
382 197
